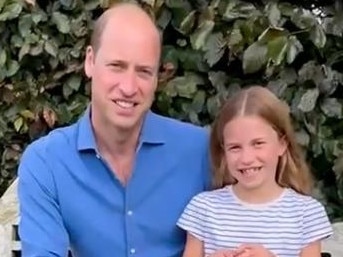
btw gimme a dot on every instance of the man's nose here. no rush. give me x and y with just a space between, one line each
128 85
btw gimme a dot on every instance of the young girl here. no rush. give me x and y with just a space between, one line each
261 205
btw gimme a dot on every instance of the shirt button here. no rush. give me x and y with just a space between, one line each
129 213
97 156
132 250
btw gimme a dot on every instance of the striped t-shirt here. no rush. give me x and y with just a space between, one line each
285 226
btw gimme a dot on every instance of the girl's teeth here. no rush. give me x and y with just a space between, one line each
250 171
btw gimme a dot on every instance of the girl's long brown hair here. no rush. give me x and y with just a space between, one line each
292 170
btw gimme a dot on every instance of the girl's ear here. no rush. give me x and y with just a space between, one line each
283 145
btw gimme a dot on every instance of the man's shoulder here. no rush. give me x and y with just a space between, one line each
58 139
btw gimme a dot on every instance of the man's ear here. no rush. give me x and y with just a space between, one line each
89 61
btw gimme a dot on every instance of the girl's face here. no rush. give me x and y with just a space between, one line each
252 150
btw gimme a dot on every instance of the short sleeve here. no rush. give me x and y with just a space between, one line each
316 224
193 218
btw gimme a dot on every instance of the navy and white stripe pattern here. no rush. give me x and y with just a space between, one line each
284 226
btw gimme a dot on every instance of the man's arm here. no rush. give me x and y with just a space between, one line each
41 229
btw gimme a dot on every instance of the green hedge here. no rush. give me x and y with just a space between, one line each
211 49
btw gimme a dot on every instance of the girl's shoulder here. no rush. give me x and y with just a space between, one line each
304 201
216 196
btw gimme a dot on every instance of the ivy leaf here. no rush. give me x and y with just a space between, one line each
51 47
175 3
37 49
68 4
274 14
61 21
318 37
308 100
277 49
237 9
218 80
214 48
198 101
278 87
270 34
164 19
254 58
288 75
334 26
25 49
213 104
67 91
235 37
302 137
12 68
74 82
187 23
192 60
199 37
338 166
311 71
91 5
286 9
185 86
24 25
18 123
294 48
38 17
11 11
304 19
331 108
3 57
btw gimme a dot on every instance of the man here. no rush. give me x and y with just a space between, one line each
115 182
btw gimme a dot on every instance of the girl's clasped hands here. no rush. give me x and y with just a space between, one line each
245 250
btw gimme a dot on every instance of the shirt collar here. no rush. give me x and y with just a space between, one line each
151 133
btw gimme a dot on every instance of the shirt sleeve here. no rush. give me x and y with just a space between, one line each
41 229
316 224
193 218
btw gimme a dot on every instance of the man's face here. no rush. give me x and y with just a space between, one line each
124 75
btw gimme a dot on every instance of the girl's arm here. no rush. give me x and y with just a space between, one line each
311 250
194 247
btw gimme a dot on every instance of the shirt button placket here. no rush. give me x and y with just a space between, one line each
129 224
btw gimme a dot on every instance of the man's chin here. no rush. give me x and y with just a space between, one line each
126 123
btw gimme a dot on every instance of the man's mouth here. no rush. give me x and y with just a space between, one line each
125 104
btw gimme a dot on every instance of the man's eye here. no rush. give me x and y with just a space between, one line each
116 66
146 72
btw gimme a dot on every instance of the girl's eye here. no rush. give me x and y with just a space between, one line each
259 143
232 148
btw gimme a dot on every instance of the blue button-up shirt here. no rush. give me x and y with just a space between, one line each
69 197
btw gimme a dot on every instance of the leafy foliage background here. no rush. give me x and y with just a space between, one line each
210 49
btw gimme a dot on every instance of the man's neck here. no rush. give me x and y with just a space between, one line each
116 142
117 147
